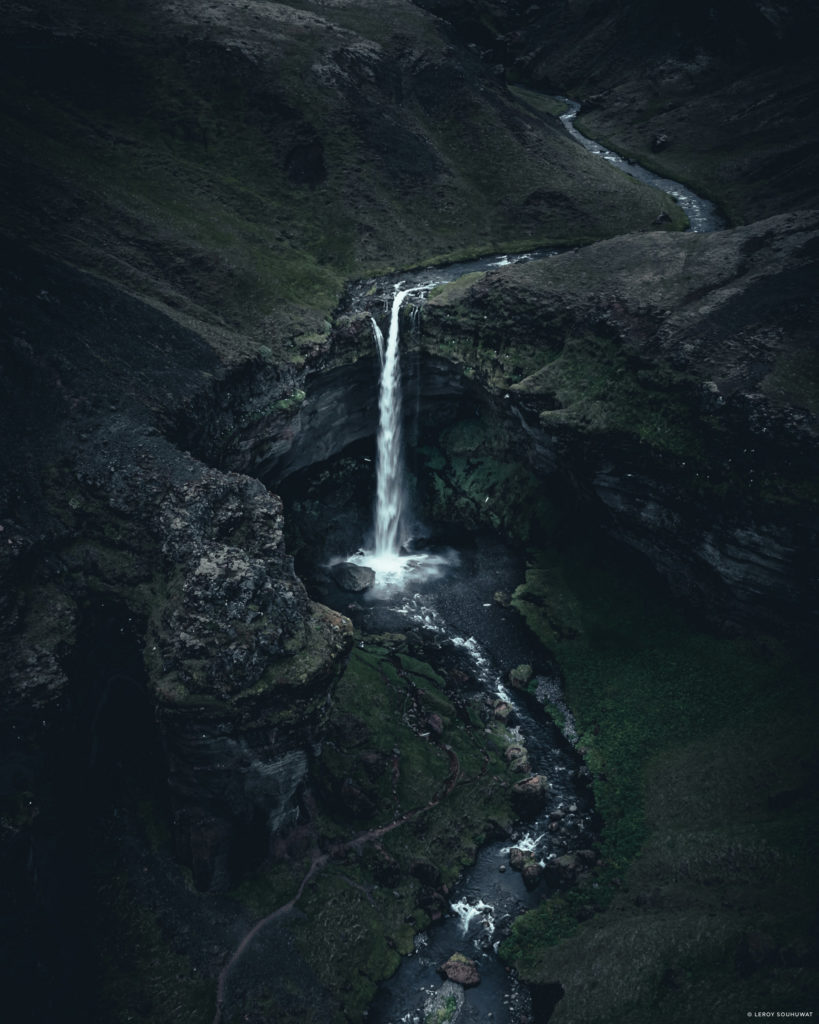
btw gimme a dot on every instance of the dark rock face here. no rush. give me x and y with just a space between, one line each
238 658
658 374
354 578
529 796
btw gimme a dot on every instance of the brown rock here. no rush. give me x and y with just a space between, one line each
531 874
529 796
517 858
461 970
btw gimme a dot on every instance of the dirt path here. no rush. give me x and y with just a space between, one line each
319 861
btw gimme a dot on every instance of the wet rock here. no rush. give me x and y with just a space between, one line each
517 757
517 858
531 874
529 796
560 871
520 676
352 577
461 970
439 1006
502 712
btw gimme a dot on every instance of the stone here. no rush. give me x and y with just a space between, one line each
520 676
461 970
529 796
502 712
517 858
563 870
444 1004
531 874
352 577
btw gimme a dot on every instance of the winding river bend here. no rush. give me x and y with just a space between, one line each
702 213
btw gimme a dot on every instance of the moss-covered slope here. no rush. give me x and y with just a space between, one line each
239 161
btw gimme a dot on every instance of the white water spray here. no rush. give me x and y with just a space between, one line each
389 508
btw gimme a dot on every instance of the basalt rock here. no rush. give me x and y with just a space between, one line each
667 379
529 796
461 970
238 658
354 578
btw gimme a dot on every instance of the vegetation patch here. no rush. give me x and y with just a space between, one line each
703 763
406 786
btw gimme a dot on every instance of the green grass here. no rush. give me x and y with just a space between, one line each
692 738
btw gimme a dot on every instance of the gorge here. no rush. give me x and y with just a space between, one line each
203 212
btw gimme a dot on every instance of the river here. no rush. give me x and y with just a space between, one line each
450 593
702 213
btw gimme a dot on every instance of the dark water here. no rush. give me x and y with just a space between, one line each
454 602
702 213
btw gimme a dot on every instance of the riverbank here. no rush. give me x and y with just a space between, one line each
704 761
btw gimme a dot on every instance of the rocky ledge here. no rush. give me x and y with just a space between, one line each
669 381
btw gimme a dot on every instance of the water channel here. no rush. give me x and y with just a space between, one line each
449 594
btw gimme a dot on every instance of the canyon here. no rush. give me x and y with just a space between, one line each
203 210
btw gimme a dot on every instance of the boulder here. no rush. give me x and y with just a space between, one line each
529 796
435 724
531 874
563 870
520 676
461 970
517 858
352 577
439 1005
503 712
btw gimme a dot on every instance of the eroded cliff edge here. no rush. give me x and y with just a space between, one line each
668 381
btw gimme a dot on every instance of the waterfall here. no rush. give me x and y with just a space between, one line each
389 507
379 339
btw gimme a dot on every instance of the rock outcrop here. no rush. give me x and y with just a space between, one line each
668 379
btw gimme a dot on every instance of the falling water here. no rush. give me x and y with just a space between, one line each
389 508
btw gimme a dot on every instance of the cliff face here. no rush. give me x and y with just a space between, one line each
195 559
186 191
670 378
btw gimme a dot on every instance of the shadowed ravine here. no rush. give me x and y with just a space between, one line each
479 690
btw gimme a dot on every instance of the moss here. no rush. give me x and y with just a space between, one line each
358 914
690 736
446 1012
472 477
140 975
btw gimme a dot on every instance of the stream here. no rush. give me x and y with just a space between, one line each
702 213
450 594
454 601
